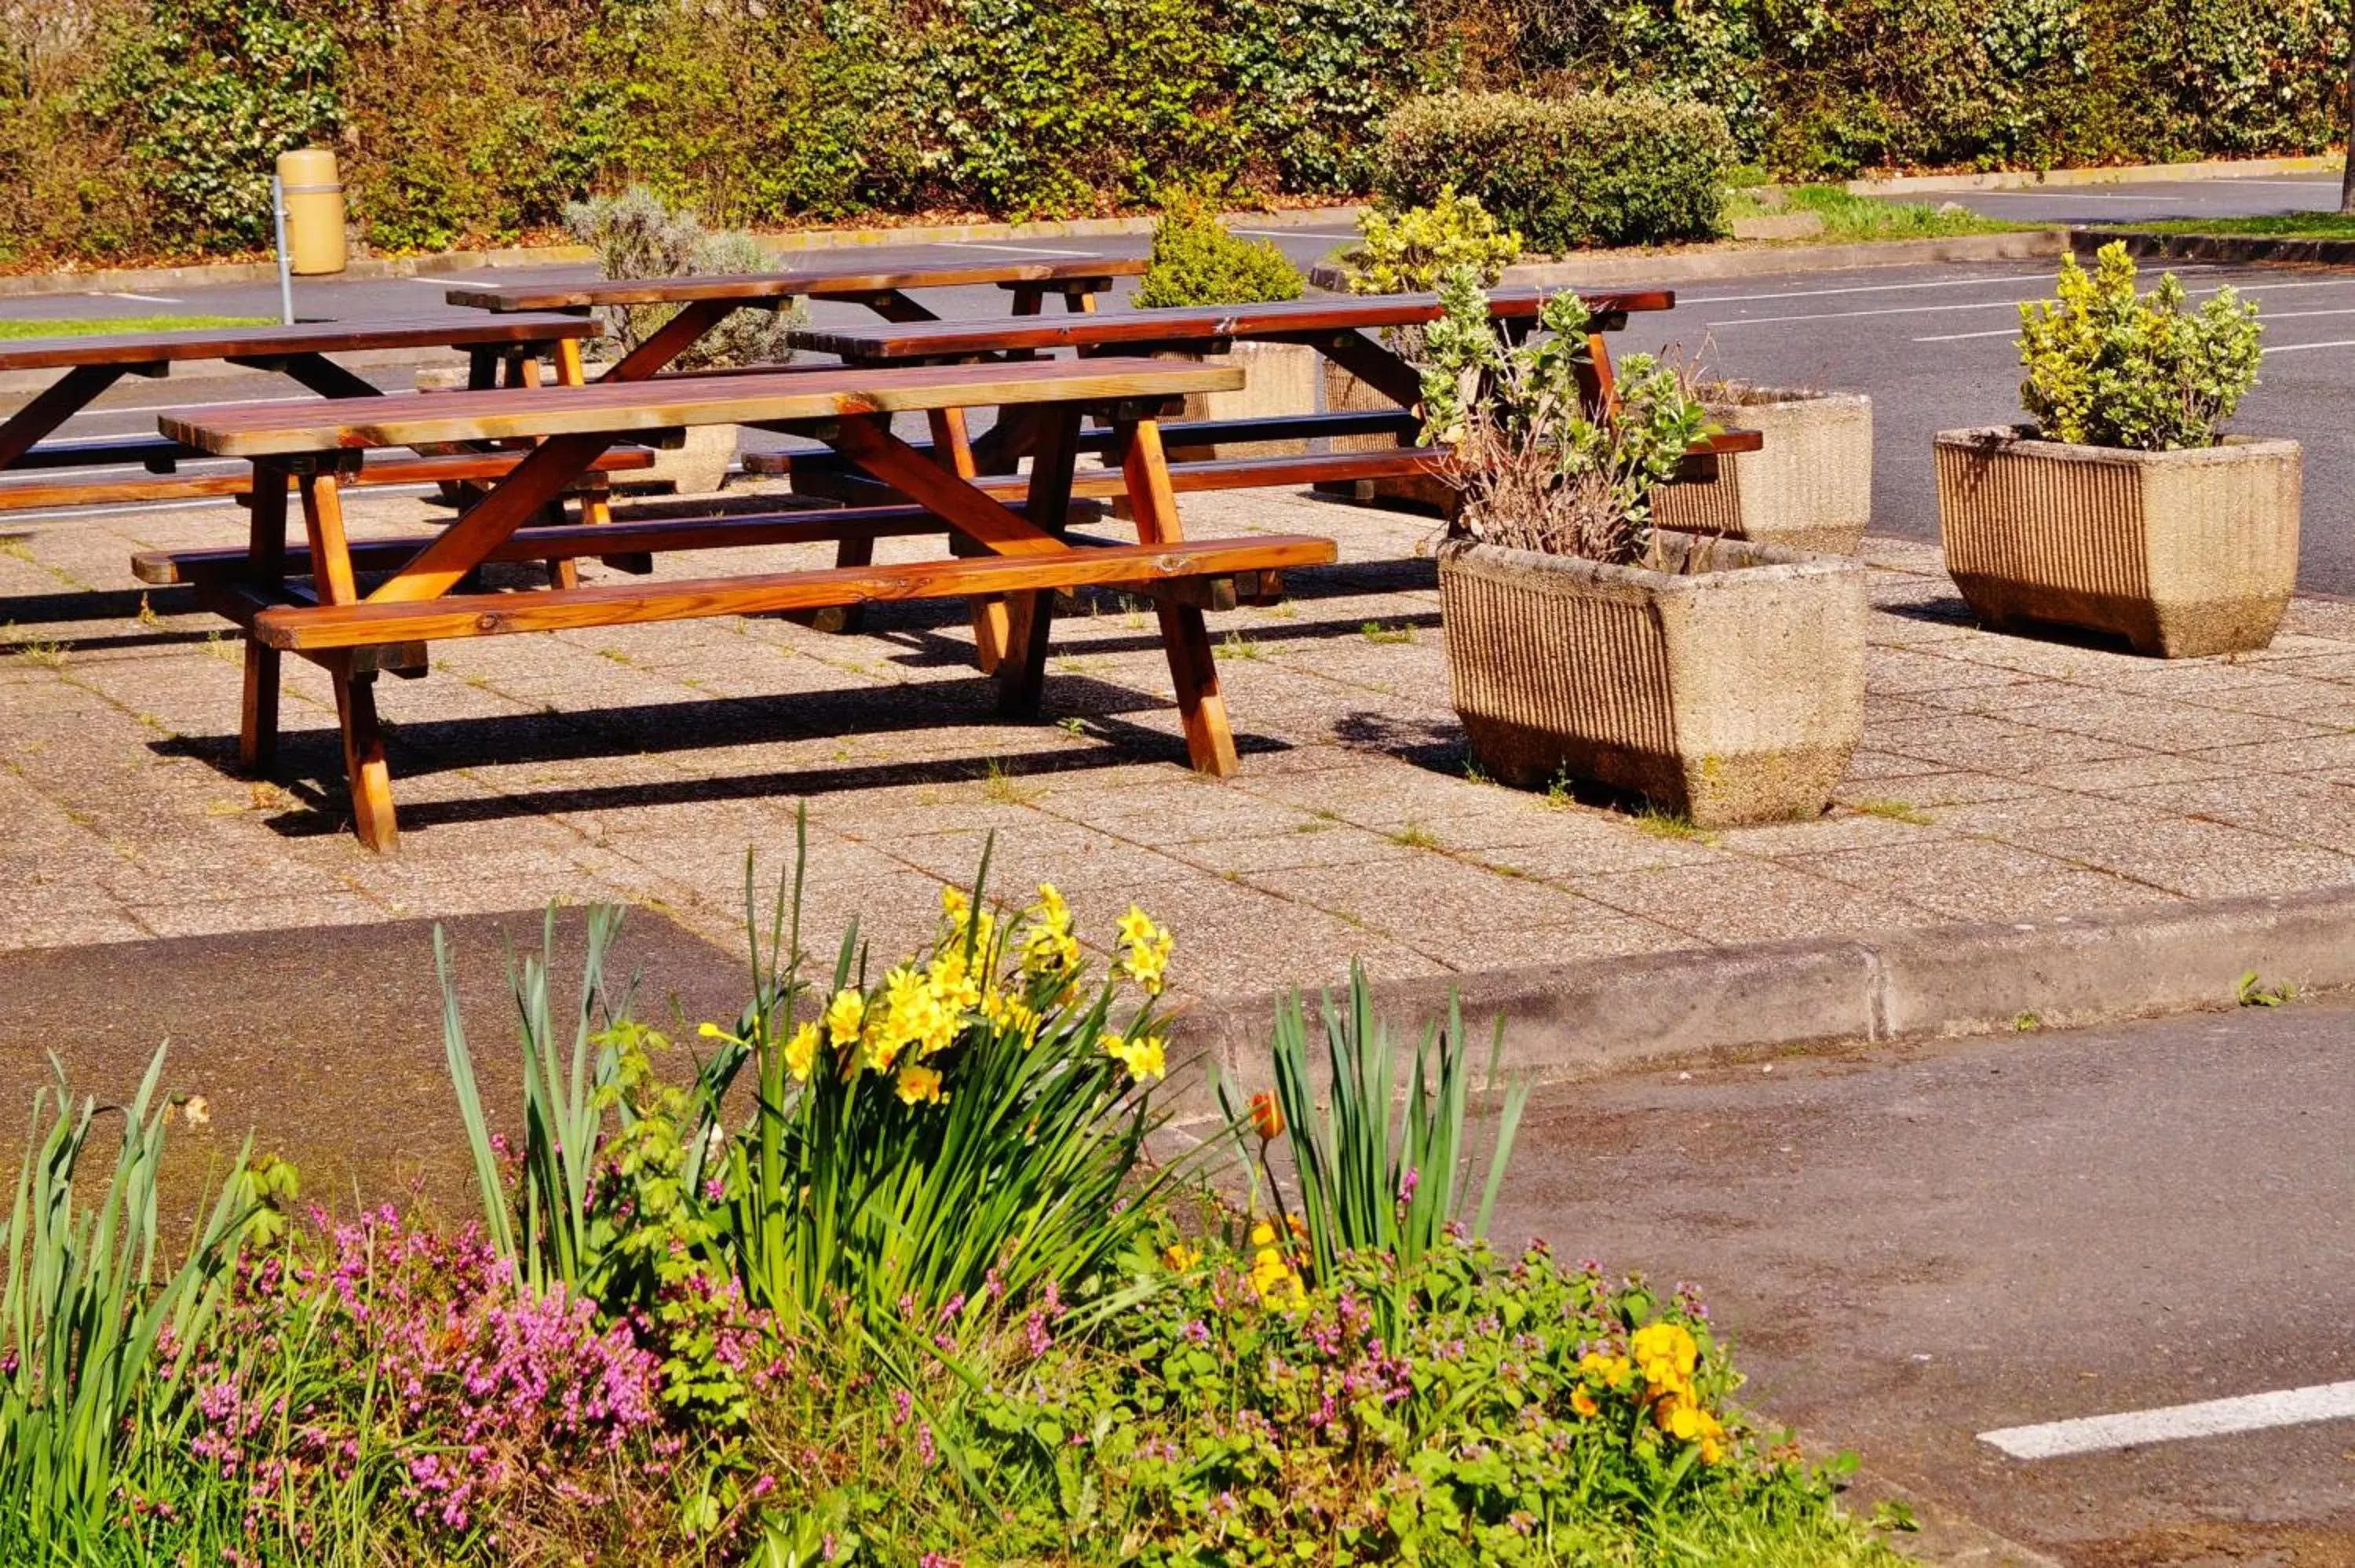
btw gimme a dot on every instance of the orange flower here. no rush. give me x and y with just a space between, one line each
1266 1117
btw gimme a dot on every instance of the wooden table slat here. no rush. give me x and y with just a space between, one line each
815 282
303 337
1333 313
404 420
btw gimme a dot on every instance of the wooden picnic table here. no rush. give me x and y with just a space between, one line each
1020 554
1335 326
705 302
513 348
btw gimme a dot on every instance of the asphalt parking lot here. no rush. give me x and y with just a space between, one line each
1916 1245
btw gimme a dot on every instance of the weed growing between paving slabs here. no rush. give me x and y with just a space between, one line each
889 1278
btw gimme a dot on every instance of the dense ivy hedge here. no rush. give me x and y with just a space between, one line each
144 127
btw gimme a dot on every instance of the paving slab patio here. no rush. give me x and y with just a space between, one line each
2002 778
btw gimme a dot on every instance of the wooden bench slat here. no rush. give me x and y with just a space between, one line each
1175 434
554 609
23 497
1251 473
620 409
303 337
808 525
885 342
151 452
815 282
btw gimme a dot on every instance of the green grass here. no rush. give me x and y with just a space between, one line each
2284 225
1848 218
93 325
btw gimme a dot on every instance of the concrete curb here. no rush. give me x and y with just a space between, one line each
1618 268
2220 249
1593 1016
2127 174
120 279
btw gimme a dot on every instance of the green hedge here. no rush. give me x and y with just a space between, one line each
1567 173
143 128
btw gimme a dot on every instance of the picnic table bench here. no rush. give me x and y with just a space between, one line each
515 348
1335 326
1020 554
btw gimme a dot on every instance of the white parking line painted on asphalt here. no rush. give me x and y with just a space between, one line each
2174 1422
1863 289
1011 250
1303 233
2302 348
143 298
2268 316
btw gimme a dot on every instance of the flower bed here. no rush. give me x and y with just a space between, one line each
909 1292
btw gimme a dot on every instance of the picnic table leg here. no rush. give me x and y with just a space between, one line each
60 401
1598 387
1193 669
257 731
331 577
1030 618
523 370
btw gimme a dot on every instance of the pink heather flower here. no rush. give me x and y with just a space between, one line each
904 1404
1035 1333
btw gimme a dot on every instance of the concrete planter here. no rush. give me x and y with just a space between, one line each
1732 695
1279 380
1810 487
1344 393
2182 554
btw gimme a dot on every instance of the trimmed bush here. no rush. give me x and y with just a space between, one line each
1566 172
1197 262
1412 252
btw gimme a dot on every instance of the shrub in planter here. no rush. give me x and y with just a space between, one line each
1568 174
1197 262
1722 680
2124 509
635 236
1409 252
1809 488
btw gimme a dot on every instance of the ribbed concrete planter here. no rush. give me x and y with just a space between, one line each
1732 696
2182 554
1810 487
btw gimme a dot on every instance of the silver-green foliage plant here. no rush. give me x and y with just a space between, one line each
635 236
93 1329
1409 250
1540 468
1376 1176
2109 368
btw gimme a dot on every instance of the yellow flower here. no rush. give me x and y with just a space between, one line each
844 1015
1583 1402
1136 926
1180 1258
1679 1420
956 906
1273 1279
1145 1059
800 1051
1262 1233
917 1083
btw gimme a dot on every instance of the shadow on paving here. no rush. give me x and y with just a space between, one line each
311 761
326 1042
